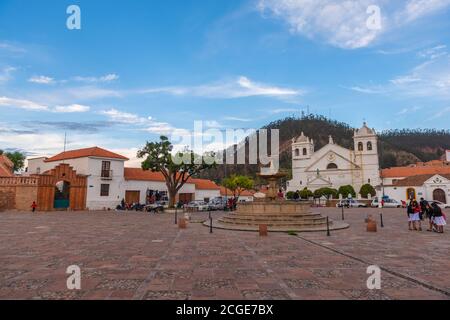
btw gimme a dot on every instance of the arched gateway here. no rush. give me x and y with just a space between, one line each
62 188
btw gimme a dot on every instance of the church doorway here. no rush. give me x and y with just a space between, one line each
439 195
411 194
62 195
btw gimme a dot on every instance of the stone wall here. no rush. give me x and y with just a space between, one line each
18 193
7 198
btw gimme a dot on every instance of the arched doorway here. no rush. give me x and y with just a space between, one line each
410 194
62 195
439 195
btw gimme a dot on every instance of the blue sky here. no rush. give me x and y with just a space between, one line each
138 69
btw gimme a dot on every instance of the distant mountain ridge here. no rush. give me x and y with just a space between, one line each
398 147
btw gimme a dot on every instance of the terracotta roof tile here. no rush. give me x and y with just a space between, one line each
414 171
416 181
203 184
6 167
143 175
88 152
227 192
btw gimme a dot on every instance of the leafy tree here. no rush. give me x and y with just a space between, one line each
326 192
17 158
306 194
346 190
290 195
366 190
238 184
176 168
1 152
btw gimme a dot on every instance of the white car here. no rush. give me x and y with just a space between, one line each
388 203
350 203
198 205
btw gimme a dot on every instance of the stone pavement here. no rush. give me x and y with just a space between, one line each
141 256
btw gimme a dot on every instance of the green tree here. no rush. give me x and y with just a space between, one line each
366 190
238 184
326 192
346 190
176 168
17 158
290 195
305 193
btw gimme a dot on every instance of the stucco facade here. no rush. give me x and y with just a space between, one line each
334 166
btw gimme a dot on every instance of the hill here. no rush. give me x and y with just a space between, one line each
396 147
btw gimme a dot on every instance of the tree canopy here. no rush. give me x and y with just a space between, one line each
238 184
177 168
17 158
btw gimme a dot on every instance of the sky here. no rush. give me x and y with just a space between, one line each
138 69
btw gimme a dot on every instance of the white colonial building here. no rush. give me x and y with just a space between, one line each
109 181
334 166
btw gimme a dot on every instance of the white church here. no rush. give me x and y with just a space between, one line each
334 166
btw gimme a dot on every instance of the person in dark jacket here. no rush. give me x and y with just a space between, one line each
438 218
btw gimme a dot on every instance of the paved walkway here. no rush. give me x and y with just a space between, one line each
140 256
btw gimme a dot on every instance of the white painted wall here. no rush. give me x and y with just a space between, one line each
203 194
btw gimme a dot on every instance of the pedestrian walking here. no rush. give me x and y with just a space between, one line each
33 206
439 218
414 216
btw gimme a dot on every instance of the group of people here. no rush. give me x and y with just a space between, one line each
418 211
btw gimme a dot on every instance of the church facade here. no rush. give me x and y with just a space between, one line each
334 166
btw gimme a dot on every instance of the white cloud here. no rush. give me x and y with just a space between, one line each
238 119
41 80
416 9
429 79
35 106
124 117
6 74
440 114
11 47
344 23
237 88
106 78
22 104
73 108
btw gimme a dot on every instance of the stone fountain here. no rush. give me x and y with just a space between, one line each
278 214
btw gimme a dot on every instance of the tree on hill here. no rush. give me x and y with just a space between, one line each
176 168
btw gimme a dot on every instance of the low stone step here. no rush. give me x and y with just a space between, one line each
259 219
274 224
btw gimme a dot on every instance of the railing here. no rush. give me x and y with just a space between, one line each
107 175
18 181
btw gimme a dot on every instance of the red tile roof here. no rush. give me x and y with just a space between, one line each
6 167
88 152
227 192
414 171
147 175
416 181
203 184
143 175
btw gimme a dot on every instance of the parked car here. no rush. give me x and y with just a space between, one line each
350 203
388 203
155 207
217 204
198 205
440 204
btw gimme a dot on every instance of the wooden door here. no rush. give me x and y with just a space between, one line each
132 196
